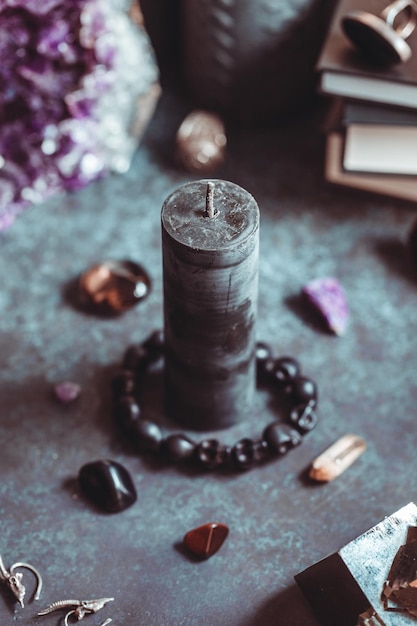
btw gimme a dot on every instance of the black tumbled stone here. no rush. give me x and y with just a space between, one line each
108 485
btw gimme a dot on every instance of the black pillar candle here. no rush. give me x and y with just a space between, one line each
210 241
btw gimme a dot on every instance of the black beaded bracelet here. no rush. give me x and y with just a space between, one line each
280 374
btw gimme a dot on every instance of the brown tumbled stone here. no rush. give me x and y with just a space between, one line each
113 286
201 142
206 540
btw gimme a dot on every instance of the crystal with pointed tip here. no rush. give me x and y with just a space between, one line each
206 540
328 297
337 458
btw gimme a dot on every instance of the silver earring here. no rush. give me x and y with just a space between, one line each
78 608
382 38
14 581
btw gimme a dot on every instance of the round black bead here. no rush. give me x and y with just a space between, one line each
281 437
285 372
108 485
305 391
304 418
243 454
211 453
412 242
124 384
178 448
147 436
135 359
263 352
154 345
265 370
261 451
126 413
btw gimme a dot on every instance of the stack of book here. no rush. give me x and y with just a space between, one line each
371 129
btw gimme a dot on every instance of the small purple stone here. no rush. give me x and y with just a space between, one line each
67 391
328 297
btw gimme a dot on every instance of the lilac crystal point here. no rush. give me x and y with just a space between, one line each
80 84
328 298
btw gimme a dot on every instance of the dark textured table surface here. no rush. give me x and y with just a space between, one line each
279 523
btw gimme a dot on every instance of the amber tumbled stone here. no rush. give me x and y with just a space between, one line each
206 540
113 286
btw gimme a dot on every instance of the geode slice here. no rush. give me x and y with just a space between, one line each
79 84
351 587
401 585
327 296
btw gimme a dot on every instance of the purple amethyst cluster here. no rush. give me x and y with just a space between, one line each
71 74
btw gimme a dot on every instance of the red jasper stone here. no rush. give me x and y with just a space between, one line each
206 540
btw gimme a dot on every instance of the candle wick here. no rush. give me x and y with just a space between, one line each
210 212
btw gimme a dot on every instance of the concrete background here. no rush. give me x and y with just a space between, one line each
279 523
